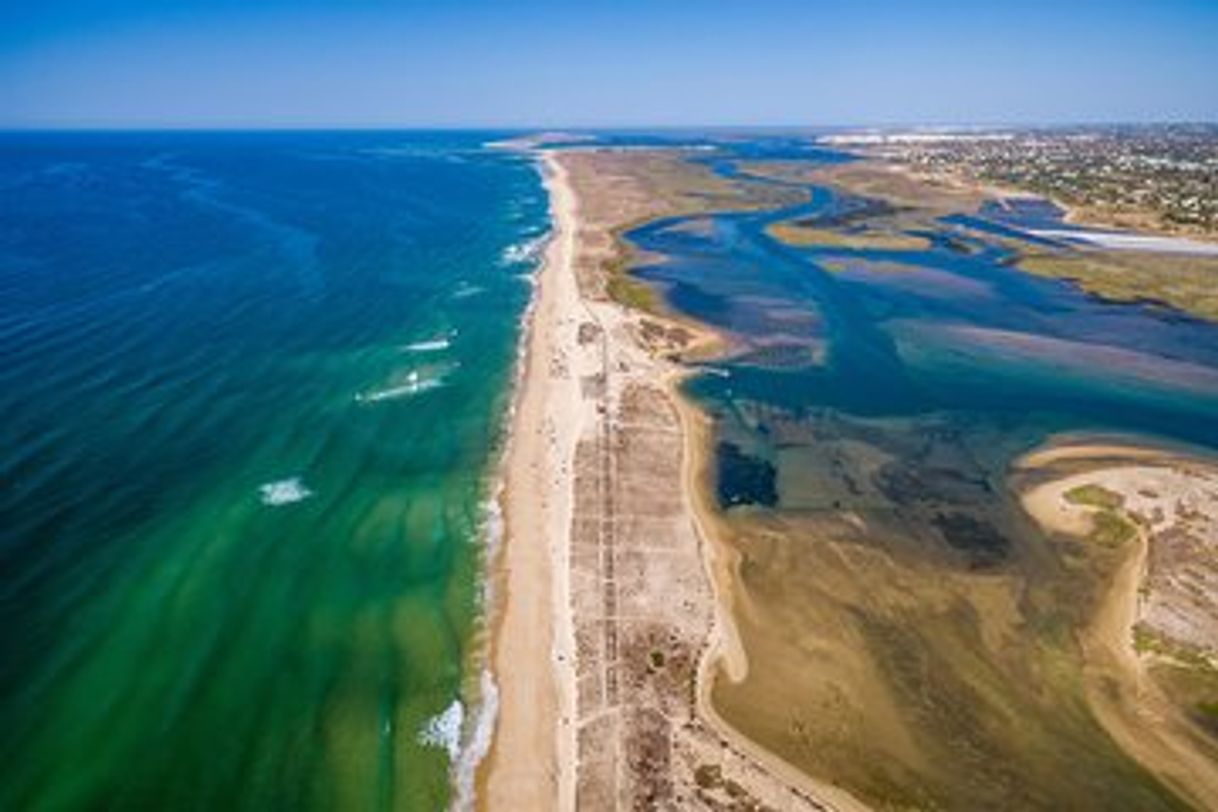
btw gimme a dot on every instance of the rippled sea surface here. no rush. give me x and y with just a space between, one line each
252 388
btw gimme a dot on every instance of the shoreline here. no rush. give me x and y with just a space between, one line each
527 617
724 648
1128 703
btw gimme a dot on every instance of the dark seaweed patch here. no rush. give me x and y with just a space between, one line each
907 483
978 539
778 356
743 479
849 211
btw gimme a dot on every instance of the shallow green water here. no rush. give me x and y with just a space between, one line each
252 389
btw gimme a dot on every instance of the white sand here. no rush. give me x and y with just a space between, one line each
531 764
1123 241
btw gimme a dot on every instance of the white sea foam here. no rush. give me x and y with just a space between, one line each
477 742
429 345
492 520
524 251
414 385
284 492
444 730
465 290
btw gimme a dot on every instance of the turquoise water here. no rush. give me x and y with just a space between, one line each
252 393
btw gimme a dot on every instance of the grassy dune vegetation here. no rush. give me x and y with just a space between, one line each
793 233
1187 283
876 180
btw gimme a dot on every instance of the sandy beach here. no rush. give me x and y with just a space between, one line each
530 763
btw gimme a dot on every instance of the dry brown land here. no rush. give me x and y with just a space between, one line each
642 603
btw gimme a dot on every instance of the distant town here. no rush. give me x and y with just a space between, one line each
1161 176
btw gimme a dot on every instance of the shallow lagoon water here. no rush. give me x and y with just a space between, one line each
915 331
911 636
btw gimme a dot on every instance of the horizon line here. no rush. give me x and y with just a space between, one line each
634 127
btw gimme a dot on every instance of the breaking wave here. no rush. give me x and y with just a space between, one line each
477 742
429 345
284 492
444 730
415 384
525 251
465 290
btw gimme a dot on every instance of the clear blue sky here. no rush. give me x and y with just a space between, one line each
591 62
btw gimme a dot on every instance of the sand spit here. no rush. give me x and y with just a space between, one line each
1122 241
1159 618
529 765
606 607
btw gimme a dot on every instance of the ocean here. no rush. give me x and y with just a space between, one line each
253 388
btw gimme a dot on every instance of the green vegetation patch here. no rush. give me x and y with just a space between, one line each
1108 526
1110 529
1095 496
872 239
1180 281
632 293
1149 641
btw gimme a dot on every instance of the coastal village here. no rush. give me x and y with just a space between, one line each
1162 176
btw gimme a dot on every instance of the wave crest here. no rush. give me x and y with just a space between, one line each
525 251
444 730
284 492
